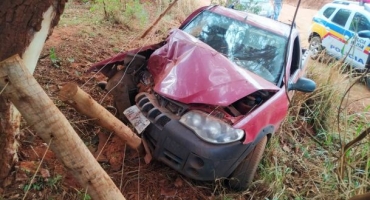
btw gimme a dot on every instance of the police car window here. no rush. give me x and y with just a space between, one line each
341 17
328 12
359 23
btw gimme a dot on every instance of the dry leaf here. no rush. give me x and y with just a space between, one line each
44 173
178 182
286 148
168 192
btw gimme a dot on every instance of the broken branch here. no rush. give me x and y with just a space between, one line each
159 18
50 124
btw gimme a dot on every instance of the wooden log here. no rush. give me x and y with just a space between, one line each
85 104
41 114
365 196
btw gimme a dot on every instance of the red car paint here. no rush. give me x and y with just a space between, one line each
191 73
267 114
212 78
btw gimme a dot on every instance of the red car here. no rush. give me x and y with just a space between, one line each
207 99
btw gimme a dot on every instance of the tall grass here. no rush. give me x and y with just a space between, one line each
133 14
175 16
307 158
138 16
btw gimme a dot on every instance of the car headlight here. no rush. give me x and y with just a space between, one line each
210 128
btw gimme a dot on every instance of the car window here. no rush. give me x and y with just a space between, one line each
252 48
359 23
341 17
328 12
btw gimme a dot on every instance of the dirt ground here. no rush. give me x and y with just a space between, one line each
303 20
68 53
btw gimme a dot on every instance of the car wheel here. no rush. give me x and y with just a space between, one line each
244 173
315 47
367 82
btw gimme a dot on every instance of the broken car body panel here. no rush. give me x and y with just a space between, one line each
189 71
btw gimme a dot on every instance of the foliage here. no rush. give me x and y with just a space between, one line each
83 195
136 11
307 159
128 12
41 183
54 58
252 6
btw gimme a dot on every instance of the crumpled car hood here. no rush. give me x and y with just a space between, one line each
189 71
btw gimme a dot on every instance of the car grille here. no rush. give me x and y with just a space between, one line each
159 110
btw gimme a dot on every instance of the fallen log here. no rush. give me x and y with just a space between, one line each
19 86
365 196
85 104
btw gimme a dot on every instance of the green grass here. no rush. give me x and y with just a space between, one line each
298 165
42 183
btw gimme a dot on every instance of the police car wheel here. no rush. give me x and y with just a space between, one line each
243 175
315 47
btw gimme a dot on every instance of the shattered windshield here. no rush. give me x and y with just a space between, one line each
252 48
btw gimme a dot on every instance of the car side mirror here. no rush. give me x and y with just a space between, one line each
303 85
364 34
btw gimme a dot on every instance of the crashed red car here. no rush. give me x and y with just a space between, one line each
207 99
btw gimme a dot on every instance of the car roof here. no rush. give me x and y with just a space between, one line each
271 25
352 5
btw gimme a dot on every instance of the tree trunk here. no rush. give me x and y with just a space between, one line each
41 114
24 27
9 127
21 20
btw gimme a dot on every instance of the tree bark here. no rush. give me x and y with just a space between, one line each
9 127
20 20
24 27
41 114
85 104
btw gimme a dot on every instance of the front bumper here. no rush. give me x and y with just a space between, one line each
180 148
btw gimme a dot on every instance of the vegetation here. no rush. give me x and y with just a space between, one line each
306 159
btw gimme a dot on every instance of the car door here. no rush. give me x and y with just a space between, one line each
356 47
321 21
296 67
337 36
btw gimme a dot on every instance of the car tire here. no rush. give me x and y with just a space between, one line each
367 82
315 47
243 175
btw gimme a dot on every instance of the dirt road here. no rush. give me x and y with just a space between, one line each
303 21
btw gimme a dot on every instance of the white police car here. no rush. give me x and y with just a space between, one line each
335 27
